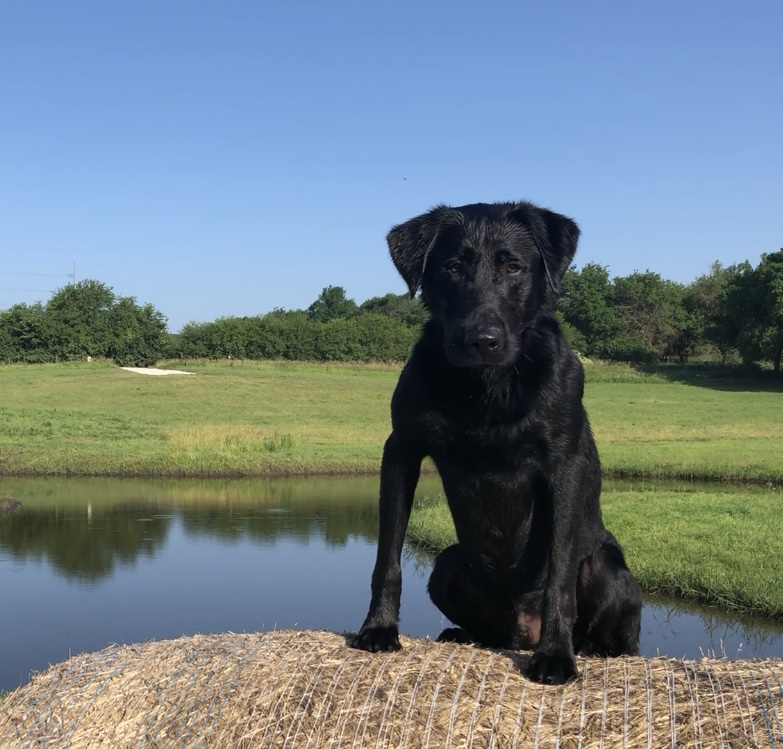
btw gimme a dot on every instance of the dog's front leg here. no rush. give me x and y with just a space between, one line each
399 475
554 661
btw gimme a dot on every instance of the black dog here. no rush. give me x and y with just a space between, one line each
493 394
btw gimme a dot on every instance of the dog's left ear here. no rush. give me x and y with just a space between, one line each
411 242
555 235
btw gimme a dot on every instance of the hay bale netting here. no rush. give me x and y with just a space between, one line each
307 689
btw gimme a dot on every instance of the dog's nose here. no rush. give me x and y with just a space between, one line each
485 341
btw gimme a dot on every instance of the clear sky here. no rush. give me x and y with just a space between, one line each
226 158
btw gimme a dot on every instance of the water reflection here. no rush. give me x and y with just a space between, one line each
84 545
85 563
681 629
85 528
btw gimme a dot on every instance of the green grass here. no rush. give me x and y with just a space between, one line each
672 430
248 418
718 545
229 419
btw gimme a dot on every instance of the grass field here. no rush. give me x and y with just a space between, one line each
245 418
248 418
669 429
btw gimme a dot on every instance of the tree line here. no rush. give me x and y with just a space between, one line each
332 328
730 314
80 320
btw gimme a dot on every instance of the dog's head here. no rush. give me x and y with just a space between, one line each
486 271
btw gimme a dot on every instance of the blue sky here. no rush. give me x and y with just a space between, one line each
228 158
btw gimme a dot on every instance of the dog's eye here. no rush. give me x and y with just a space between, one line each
513 268
454 267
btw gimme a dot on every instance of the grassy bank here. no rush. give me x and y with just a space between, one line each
249 418
230 419
723 546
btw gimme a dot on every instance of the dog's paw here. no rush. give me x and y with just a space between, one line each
377 639
552 668
454 634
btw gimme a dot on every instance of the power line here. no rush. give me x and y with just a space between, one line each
40 291
50 275
71 275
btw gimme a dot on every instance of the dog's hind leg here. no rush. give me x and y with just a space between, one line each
483 615
609 604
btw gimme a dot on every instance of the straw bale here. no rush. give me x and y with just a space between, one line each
308 689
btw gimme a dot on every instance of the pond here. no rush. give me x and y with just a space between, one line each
85 563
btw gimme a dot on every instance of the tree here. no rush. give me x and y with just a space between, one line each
586 308
83 319
770 271
25 334
651 311
705 299
401 307
331 304
298 334
752 310
79 319
268 336
192 341
384 338
336 340
137 334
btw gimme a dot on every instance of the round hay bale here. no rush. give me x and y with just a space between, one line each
308 689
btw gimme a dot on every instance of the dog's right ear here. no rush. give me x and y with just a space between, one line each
410 243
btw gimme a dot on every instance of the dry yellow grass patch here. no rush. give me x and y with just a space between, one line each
221 437
687 433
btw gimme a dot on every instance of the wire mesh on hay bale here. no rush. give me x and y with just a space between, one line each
307 689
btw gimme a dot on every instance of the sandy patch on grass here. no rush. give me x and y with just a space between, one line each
154 371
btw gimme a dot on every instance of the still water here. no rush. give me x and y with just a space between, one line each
87 563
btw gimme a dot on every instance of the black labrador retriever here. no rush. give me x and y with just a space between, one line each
494 395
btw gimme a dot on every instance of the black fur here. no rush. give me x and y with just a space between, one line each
493 394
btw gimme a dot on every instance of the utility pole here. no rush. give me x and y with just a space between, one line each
73 275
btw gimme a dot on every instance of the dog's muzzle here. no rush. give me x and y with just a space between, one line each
486 345
478 345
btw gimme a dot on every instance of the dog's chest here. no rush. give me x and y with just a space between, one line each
497 515
483 444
